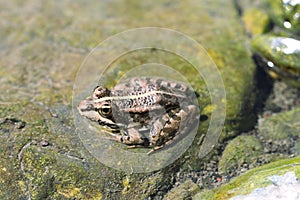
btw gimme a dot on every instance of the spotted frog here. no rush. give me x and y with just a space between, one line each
144 111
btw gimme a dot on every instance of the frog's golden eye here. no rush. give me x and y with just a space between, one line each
105 110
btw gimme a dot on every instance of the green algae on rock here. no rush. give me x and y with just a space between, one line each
284 186
57 175
256 21
41 50
37 163
286 14
279 52
242 149
255 178
184 191
281 126
282 55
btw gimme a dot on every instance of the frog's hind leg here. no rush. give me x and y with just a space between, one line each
172 126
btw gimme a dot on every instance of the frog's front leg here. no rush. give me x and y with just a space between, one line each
131 137
171 125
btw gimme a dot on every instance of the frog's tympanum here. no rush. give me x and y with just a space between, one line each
143 112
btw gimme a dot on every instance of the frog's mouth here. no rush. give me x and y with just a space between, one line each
87 110
109 125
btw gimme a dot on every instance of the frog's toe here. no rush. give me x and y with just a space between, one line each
154 149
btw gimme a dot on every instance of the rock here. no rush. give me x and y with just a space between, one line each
281 126
42 49
242 149
284 14
282 56
296 148
283 98
184 191
282 187
256 21
282 171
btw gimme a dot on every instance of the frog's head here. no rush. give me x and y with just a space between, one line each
97 107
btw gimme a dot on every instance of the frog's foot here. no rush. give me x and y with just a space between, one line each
155 149
138 146
119 138
113 136
132 137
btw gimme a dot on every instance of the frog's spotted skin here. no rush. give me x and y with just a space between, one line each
143 112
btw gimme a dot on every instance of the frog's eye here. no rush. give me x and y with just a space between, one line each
105 110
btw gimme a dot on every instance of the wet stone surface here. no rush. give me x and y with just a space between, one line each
279 174
274 27
277 128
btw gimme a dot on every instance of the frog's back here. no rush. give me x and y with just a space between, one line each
151 83
147 93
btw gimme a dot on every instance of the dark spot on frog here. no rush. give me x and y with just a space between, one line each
177 86
158 81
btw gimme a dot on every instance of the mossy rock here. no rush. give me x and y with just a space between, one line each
240 150
184 191
255 178
256 21
42 49
281 126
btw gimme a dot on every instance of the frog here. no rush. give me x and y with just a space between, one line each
143 111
